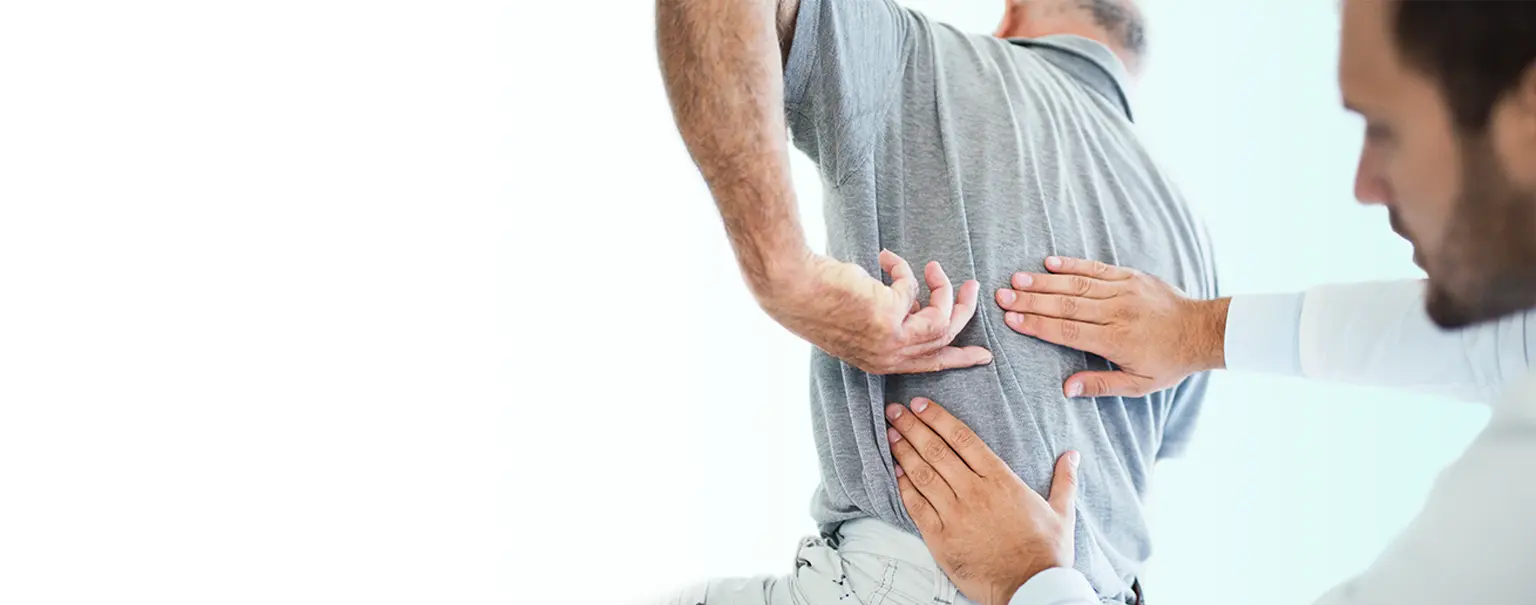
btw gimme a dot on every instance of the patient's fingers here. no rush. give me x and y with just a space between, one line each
929 482
946 358
931 447
902 280
941 294
961 439
965 307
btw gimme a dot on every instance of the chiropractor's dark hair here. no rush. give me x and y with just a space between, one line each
1476 51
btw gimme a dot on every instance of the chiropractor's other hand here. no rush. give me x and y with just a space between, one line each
877 328
1155 334
989 531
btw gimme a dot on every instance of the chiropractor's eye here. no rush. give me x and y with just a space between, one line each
1377 133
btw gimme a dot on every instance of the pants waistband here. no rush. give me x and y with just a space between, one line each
874 536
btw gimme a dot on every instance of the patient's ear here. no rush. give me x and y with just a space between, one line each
1013 19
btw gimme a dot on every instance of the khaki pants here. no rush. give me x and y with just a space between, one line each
866 562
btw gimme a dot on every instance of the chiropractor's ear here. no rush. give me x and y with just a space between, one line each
1519 142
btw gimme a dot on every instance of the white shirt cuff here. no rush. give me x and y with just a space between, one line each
1264 334
1056 586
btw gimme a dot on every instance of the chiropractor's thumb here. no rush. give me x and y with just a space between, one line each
1105 384
1064 486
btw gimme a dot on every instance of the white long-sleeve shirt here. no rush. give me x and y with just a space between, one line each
1475 539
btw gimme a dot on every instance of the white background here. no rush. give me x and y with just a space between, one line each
347 302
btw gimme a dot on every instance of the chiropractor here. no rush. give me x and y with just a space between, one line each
1448 92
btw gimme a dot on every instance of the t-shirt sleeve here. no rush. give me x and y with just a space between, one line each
845 67
1183 415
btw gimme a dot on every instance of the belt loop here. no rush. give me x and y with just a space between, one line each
944 591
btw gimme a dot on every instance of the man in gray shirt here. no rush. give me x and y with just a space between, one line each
983 154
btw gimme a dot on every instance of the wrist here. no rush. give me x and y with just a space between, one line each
1210 330
774 271
1003 595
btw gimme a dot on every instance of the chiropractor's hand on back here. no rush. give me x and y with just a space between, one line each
1155 334
880 329
987 530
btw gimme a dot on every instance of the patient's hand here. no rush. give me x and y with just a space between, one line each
989 531
1155 334
880 329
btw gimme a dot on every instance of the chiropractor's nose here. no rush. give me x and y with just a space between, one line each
1371 185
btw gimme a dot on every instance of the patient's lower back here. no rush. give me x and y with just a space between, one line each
990 159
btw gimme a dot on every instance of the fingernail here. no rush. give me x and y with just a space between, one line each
892 435
1006 296
899 471
1072 458
1023 280
919 404
1016 319
893 411
1075 389
1052 262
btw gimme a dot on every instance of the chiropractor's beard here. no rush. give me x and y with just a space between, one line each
1485 267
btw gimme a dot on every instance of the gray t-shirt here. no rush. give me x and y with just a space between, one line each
988 155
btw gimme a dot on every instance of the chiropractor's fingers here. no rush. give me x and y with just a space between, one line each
933 448
960 438
1054 305
1073 334
928 481
1107 384
1080 286
932 470
1064 487
1087 268
919 508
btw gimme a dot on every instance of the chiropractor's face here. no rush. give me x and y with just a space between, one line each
1466 200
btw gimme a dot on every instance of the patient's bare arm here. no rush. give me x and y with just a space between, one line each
722 63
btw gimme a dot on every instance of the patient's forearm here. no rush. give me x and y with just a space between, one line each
723 70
